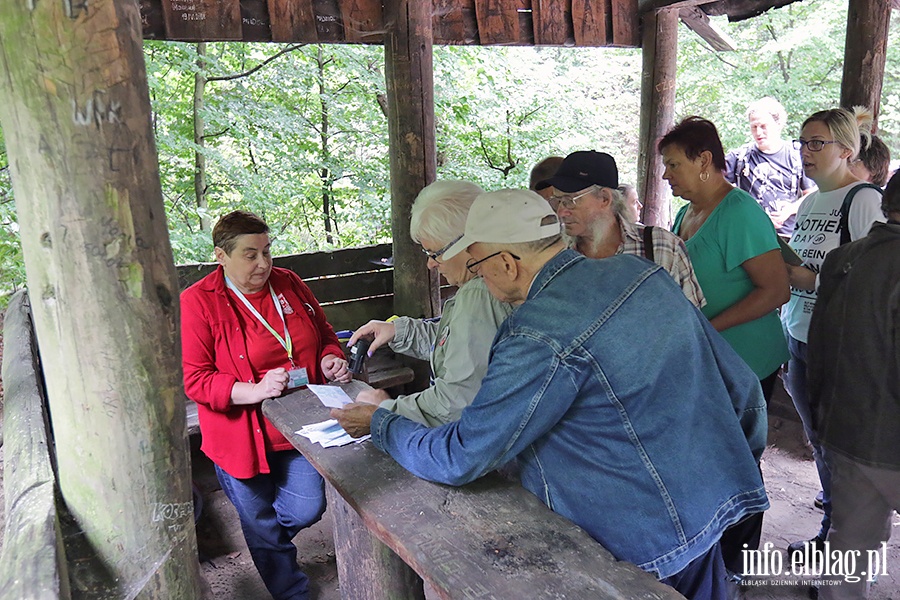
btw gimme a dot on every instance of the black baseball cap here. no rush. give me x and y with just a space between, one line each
583 169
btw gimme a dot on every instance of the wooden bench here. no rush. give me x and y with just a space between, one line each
488 539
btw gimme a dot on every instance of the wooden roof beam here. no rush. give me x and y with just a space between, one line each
645 6
698 22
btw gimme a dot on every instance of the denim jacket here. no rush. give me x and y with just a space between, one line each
627 412
457 346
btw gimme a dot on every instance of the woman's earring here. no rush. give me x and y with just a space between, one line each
704 176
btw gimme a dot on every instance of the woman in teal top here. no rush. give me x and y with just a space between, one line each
734 250
733 247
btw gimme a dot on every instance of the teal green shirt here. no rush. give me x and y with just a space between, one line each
736 231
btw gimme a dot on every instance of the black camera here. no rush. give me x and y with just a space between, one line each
358 354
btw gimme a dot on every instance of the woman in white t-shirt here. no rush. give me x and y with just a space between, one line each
829 141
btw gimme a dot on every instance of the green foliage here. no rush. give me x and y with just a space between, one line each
498 111
504 109
12 265
267 146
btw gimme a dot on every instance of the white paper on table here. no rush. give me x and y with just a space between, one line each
328 434
330 395
344 440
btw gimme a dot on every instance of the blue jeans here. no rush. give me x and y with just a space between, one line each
273 508
795 382
704 578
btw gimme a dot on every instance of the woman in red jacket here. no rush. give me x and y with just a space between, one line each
248 330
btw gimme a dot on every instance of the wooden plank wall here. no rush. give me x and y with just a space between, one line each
353 285
455 22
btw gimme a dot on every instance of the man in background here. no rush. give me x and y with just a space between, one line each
769 168
543 170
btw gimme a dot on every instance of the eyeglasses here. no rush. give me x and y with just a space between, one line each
472 263
567 201
813 145
436 255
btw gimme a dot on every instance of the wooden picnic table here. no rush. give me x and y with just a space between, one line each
488 539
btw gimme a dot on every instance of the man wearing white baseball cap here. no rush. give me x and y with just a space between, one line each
610 406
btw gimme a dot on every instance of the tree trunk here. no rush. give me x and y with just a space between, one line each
660 44
410 91
325 171
199 139
75 112
865 53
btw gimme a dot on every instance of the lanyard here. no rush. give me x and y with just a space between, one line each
284 341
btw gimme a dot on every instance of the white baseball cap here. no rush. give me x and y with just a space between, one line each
507 217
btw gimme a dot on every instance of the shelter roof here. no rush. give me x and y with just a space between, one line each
464 22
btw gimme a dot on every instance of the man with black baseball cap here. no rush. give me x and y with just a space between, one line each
599 224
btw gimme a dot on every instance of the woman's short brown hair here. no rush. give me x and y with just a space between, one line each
695 135
234 224
876 158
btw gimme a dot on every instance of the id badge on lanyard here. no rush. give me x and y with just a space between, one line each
297 377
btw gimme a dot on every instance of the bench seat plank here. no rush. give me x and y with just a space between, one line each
488 539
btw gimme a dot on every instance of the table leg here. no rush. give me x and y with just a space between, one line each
367 569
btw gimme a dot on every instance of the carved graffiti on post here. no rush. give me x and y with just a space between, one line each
255 22
362 20
498 22
552 19
292 21
329 26
590 23
198 20
97 110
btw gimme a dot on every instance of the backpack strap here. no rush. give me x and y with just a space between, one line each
648 243
844 227
740 164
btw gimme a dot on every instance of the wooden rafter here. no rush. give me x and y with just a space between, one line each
698 22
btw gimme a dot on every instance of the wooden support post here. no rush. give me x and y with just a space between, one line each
410 92
660 50
75 112
367 569
865 52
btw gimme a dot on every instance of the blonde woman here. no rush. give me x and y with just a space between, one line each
829 142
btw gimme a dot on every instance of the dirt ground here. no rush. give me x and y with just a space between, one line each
787 466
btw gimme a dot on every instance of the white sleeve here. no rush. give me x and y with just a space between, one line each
864 211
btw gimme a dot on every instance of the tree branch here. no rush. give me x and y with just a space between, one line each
212 135
249 72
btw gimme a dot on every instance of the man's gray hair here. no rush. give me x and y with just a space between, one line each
620 206
440 210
